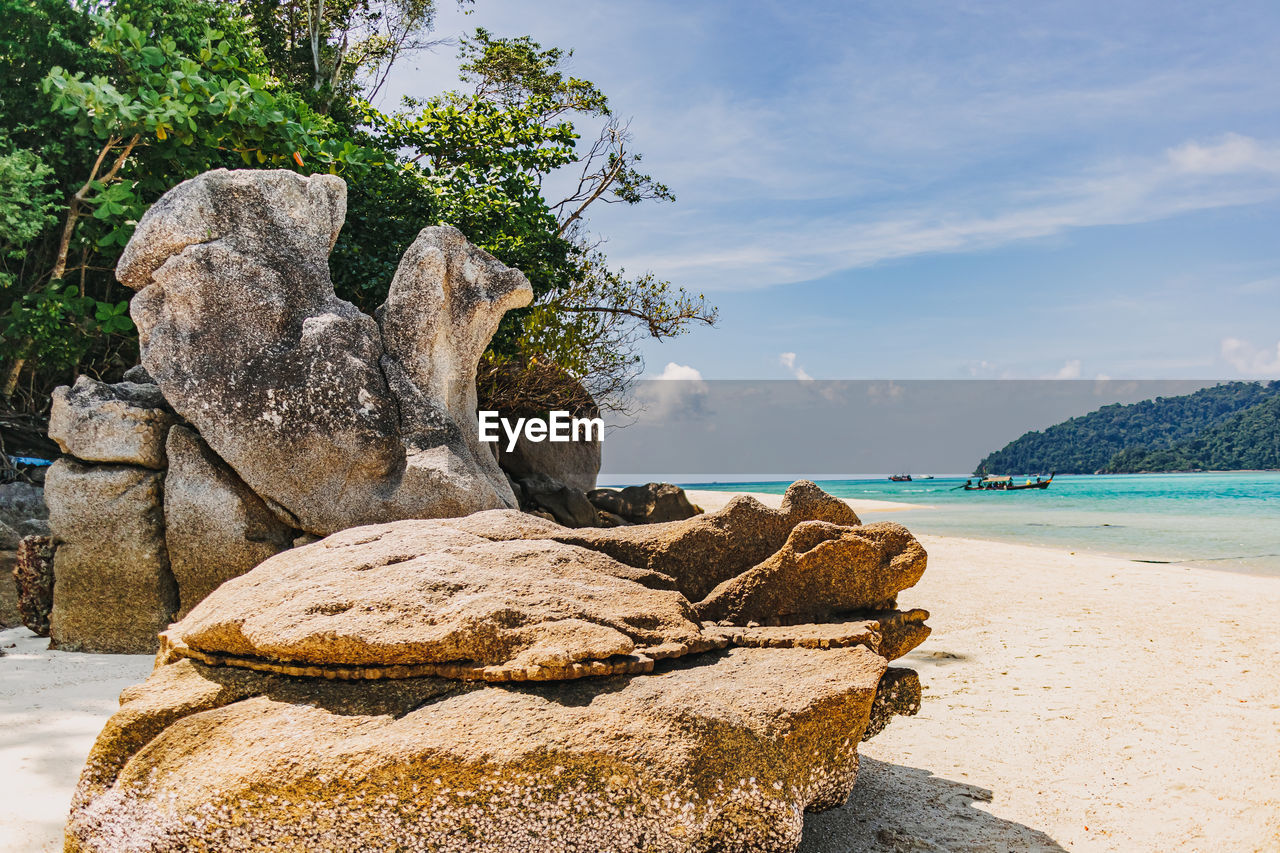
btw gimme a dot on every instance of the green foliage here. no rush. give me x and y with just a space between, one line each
27 202
133 114
1247 440
332 51
102 113
1115 437
590 329
511 72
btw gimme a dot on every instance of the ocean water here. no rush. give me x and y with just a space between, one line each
1223 521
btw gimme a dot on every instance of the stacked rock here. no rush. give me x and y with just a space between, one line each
266 411
502 683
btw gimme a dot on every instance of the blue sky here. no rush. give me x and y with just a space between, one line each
941 190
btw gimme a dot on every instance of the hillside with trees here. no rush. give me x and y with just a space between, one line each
1121 436
1249 439
105 106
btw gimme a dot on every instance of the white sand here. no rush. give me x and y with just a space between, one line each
1072 702
52 706
711 501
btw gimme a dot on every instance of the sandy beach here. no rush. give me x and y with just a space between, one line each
1072 702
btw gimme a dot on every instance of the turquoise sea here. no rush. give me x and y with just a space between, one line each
1223 521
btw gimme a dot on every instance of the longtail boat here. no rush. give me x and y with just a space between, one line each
900 478
1006 484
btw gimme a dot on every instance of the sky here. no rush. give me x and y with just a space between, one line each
945 190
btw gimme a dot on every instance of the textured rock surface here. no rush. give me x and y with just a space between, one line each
574 463
419 593
333 418
113 591
484 684
124 423
823 569
891 634
567 505
216 528
22 513
721 756
647 504
33 582
701 552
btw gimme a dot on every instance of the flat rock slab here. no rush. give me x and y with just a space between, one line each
721 754
379 601
889 634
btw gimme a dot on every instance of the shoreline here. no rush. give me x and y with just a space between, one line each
716 498
713 499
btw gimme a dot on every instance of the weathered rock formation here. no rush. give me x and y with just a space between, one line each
501 683
538 493
333 418
647 504
124 423
22 513
573 463
33 582
266 410
216 528
113 590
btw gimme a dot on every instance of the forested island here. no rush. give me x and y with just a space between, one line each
1226 427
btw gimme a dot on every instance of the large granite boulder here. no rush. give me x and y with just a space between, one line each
574 463
724 755
216 528
124 423
702 552
113 591
333 418
484 684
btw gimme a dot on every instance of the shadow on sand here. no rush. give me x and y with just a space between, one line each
906 809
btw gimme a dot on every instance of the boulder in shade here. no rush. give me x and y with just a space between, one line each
216 528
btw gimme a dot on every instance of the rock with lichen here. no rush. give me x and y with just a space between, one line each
334 418
499 683
113 591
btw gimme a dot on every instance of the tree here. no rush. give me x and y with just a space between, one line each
486 153
137 116
337 49
101 114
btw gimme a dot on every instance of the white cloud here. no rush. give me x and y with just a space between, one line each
679 371
1235 153
1251 360
1069 370
683 396
788 360
776 249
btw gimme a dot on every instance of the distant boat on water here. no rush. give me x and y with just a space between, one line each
900 478
1006 484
